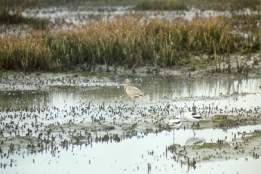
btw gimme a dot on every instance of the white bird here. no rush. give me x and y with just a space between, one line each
194 141
191 116
132 91
175 123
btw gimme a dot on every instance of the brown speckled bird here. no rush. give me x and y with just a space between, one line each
132 91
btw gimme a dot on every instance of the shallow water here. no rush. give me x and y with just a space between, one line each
129 156
132 154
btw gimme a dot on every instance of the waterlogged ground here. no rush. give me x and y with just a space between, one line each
78 123
83 14
63 18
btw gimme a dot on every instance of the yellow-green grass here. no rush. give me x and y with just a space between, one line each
25 53
124 41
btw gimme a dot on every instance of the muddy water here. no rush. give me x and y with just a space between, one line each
85 111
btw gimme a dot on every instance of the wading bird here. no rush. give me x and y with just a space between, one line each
175 123
132 91
193 117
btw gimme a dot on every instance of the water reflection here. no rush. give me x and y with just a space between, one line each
173 88
154 89
131 156
23 99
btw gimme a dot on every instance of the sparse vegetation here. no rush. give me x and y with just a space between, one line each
257 133
228 121
210 145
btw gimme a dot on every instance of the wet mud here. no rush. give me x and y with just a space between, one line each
243 145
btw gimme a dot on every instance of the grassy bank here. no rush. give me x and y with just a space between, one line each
125 41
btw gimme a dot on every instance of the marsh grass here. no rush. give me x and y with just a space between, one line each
125 41
25 53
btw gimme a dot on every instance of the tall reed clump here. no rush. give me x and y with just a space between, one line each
129 41
25 53
117 42
124 41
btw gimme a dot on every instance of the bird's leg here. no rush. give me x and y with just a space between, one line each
194 132
173 136
135 103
